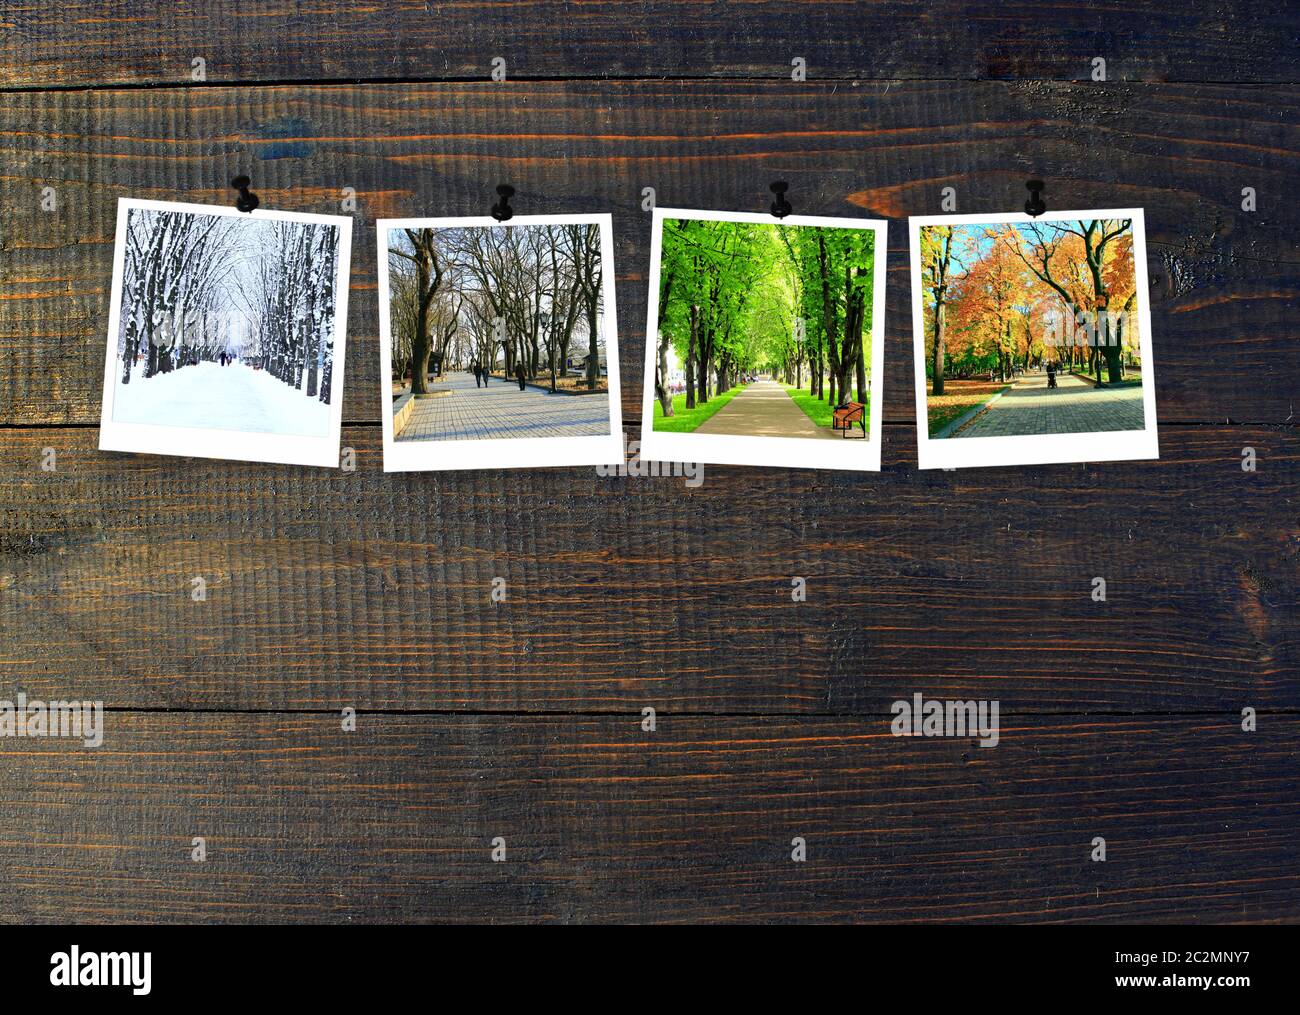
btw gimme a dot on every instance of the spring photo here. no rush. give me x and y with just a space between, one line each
766 340
496 334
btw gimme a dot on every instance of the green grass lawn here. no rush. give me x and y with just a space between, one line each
819 410
1127 382
1132 379
684 420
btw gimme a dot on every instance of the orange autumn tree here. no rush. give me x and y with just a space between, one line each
1042 321
992 299
1063 254
1061 303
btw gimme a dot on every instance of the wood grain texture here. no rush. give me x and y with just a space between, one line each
522 719
328 589
603 822
62 44
1225 282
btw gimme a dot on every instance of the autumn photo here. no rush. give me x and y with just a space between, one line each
498 342
765 340
226 334
1032 339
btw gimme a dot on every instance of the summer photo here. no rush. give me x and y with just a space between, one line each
765 340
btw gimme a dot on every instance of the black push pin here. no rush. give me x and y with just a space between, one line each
1035 206
247 200
780 207
501 211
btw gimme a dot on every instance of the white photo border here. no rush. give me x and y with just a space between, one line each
501 452
1036 449
788 452
207 442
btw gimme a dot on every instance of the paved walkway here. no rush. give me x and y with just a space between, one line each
1075 406
764 410
501 410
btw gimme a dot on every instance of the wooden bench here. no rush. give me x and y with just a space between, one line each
844 416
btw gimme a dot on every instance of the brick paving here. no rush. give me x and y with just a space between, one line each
1075 406
501 410
764 409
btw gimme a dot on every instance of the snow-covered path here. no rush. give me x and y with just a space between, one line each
208 395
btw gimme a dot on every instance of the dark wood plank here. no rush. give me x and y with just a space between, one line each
604 822
76 43
1226 341
328 589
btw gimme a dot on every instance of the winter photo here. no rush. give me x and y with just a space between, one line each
1032 339
226 334
498 343
766 342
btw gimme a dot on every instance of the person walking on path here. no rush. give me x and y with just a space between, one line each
520 375
477 376
1051 375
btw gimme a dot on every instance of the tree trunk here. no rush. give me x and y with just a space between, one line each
940 321
428 277
1119 333
862 372
313 379
593 351
420 349
661 378
940 282
828 318
690 357
706 361
1112 351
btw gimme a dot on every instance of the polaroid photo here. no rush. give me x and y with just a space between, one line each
226 334
1032 339
498 343
764 340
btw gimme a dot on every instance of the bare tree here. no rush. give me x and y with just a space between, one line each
428 262
517 292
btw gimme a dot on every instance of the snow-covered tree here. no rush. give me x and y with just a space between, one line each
198 288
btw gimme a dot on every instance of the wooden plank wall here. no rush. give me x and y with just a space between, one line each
329 590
